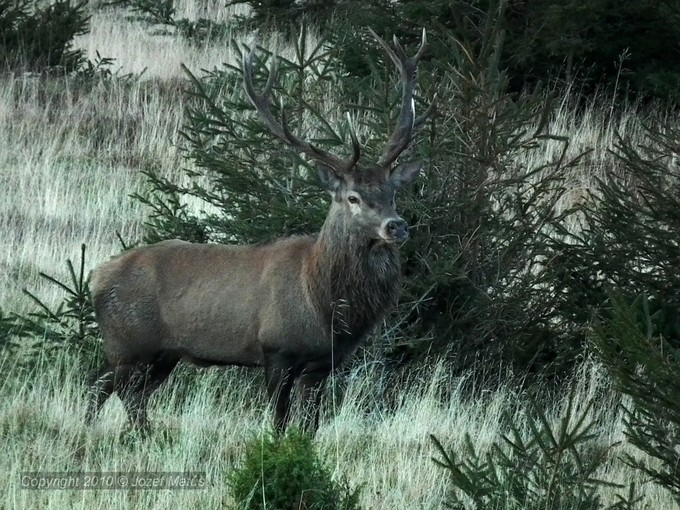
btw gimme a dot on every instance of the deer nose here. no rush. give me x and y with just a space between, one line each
397 229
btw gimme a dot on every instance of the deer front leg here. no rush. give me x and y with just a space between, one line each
312 382
280 376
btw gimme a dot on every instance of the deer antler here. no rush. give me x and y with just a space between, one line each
407 121
280 128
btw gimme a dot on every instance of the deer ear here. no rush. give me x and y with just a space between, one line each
330 180
406 173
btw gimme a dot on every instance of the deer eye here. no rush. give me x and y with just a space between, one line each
353 199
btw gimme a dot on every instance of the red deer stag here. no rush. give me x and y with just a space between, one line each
298 306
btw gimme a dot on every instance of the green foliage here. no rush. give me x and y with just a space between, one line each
155 11
285 473
644 366
162 13
596 43
483 284
202 29
269 13
11 329
169 218
629 230
546 466
287 16
35 37
100 71
589 40
71 325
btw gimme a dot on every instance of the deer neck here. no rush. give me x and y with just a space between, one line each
354 279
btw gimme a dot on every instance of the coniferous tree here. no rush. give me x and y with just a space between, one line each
644 366
540 466
35 37
629 229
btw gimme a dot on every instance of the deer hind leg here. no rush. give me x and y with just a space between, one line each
138 383
117 378
280 375
100 390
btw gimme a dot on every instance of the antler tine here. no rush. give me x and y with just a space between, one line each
423 45
422 118
280 128
386 47
407 67
261 101
356 146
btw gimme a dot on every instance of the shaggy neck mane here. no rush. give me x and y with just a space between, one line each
354 279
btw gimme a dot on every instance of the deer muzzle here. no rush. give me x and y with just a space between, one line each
395 229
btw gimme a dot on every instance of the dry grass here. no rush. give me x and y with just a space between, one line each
75 158
71 158
201 422
138 49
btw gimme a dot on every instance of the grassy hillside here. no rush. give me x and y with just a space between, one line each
71 157
201 421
